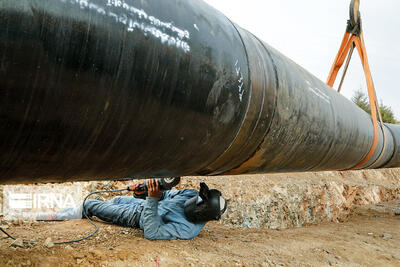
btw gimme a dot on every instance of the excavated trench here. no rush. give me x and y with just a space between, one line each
279 201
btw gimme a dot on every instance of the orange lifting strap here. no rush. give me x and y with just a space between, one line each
353 38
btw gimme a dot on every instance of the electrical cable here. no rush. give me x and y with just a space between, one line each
84 213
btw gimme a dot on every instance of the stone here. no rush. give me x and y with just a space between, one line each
18 243
97 253
326 251
107 185
68 247
93 187
79 256
386 236
48 243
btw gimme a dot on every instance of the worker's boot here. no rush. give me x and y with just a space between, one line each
66 214
46 216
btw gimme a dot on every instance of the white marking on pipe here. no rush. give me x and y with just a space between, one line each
134 18
316 91
320 94
240 80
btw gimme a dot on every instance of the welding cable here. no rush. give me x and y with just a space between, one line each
84 213
10 236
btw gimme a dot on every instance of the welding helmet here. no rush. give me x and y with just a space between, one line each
206 206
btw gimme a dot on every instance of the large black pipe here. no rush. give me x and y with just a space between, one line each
91 89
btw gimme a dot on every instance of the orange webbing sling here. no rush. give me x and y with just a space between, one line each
353 38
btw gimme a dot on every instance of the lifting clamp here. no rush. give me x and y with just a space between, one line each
354 38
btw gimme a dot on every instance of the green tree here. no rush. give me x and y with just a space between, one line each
387 114
361 100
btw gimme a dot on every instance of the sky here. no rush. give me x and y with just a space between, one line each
310 32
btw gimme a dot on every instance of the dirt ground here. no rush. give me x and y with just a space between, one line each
370 237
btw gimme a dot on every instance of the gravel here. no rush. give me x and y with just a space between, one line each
48 243
18 243
387 236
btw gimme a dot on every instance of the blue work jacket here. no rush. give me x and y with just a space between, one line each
164 218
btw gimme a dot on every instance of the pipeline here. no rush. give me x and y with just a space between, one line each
91 89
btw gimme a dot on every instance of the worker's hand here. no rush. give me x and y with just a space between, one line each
153 187
135 187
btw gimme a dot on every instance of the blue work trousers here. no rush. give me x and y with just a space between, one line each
122 210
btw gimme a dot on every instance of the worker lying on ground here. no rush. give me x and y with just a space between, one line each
161 215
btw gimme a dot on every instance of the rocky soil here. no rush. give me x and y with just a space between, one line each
369 237
301 219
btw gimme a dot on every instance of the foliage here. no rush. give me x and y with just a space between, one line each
361 100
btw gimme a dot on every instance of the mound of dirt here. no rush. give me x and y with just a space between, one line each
367 239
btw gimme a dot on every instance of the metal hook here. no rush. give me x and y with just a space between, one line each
354 12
